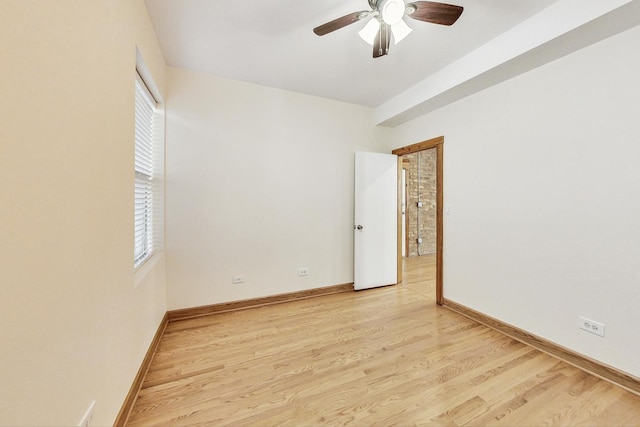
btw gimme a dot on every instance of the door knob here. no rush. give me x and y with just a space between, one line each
359 227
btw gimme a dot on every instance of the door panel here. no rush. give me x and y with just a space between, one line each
376 222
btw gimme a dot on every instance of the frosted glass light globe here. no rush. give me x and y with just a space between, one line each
392 11
369 32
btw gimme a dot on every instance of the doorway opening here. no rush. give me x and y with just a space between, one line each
420 218
419 172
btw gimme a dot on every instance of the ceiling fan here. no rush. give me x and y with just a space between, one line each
387 19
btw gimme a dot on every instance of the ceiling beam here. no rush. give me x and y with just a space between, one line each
560 29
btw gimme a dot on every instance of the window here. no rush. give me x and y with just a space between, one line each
144 171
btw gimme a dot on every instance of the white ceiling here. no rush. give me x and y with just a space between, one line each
271 43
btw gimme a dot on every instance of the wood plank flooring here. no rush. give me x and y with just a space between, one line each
386 356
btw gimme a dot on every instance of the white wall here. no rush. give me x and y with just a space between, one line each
259 183
542 176
75 327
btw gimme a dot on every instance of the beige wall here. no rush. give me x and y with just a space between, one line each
541 176
75 325
259 183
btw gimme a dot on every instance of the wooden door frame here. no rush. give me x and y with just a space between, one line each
438 144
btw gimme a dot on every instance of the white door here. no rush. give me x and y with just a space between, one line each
376 226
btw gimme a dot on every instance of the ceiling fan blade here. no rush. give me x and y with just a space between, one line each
435 13
377 50
381 42
343 21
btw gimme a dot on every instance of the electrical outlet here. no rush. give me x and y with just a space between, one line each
303 271
237 279
591 326
86 419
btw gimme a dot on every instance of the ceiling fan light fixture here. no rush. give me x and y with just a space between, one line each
368 32
392 11
400 30
386 21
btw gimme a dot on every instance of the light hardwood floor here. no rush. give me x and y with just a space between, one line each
387 356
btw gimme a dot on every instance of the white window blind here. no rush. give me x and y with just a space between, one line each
143 211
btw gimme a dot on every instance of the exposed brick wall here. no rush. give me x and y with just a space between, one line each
426 189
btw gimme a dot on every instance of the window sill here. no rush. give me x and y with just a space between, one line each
143 269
